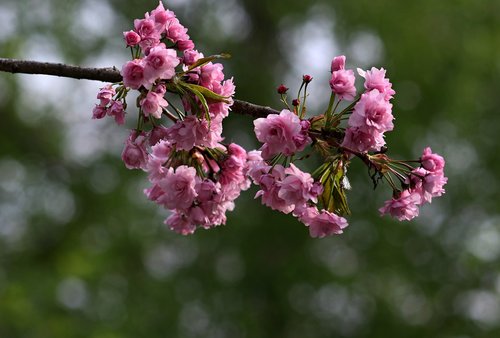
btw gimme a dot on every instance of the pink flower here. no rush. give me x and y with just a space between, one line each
179 187
146 29
232 170
191 56
270 197
322 224
99 112
256 166
180 223
428 184
211 73
153 104
296 187
279 133
160 64
405 207
233 175
254 156
363 141
176 31
148 44
227 90
105 95
238 151
434 182
207 134
432 162
302 138
212 203
116 110
160 89
133 73
342 84
372 111
162 150
134 154
161 17
131 38
154 193
160 153
197 216
185 45
157 133
207 190
375 79
182 133
269 192
338 63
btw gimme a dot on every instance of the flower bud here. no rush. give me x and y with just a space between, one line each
282 89
198 157
131 38
295 102
307 78
98 112
134 153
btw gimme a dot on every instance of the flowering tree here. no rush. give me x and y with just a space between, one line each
183 99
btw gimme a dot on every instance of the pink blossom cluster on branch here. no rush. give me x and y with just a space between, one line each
192 173
183 98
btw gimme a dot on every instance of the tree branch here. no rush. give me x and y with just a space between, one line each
110 74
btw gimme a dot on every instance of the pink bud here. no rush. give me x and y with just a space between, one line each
98 112
117 111
338 63
131 38
134 154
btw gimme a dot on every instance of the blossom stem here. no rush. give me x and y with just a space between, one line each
390 181
283 99
303 103
171 116
139 121
328 112
177 110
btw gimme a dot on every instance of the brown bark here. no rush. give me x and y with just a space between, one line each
109 74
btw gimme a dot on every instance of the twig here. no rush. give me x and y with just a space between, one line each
109 74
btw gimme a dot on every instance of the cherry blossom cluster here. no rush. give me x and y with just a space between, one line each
319 200
183 98
109 106
291 190
196 199
421 185
192 173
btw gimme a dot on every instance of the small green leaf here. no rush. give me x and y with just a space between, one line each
204 61
203 102
334 198
207 93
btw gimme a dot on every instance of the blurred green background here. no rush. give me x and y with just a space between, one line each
83 254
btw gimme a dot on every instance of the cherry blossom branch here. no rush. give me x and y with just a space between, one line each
109 74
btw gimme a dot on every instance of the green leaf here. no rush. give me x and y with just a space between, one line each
334 198
204 61
207 93
203 102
